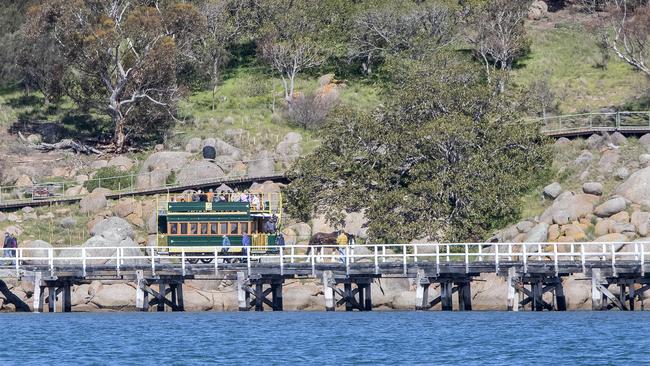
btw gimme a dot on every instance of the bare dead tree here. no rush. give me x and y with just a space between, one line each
379 32
626 32
290 57
126 48
498 37
224 24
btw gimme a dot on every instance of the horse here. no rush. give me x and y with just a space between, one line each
319 240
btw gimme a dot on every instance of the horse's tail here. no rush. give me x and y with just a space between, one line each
309 246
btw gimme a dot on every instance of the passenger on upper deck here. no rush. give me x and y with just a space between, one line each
255 202
243 197
209 196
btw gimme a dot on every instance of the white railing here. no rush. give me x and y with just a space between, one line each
485 255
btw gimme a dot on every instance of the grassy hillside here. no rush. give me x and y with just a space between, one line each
565 52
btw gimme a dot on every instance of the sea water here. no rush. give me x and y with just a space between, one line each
325 338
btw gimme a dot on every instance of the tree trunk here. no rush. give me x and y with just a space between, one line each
119 137
215 80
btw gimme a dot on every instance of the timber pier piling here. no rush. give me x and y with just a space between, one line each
535 273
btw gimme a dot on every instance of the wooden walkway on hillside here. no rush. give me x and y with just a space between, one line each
173 188
575 125
533 271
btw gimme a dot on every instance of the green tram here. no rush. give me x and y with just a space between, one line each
193 223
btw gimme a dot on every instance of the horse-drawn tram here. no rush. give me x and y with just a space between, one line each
196 223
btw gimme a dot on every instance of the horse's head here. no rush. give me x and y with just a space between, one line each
351 239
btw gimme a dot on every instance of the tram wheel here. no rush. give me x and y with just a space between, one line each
206 260
193 260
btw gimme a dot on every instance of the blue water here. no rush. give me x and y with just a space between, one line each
376 338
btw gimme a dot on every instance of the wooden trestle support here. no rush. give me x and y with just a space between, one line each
55 286
630 289
355 295
448 285
253 286
529 289
167 285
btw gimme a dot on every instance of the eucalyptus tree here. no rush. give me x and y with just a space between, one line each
446 159
121 55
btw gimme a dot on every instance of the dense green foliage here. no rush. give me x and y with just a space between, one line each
112 178
445 159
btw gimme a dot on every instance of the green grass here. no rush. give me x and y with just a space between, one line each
568 56
246 101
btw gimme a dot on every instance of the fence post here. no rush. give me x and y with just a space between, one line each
618 120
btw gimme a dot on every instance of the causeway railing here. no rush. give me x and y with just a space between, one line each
594 122
127 184
467 255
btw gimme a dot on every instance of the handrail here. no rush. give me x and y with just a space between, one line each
463 255
132 187
593 122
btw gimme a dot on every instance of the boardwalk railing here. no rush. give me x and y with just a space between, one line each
133 183
574 124
372 257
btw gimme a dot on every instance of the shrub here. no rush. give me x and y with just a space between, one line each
110 177
309 111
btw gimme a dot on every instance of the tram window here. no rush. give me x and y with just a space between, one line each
254 227
194 228
204 228
183 228
223 228
234 228
244 228
213 228
173 228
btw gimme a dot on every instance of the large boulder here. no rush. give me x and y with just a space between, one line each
637 187
644 160
621 173
538 234
121 226
76 191
594 188
24 181
584 158
193 145
127 207
610 207
645 141
608 161
289 148
107 245
225 149
119 296
35 249
121 162
262 165
641 221
595 142
198 171
537 10
158 167
266 187
552 190
93 203
575 205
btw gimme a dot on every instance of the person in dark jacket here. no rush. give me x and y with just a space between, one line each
6 245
